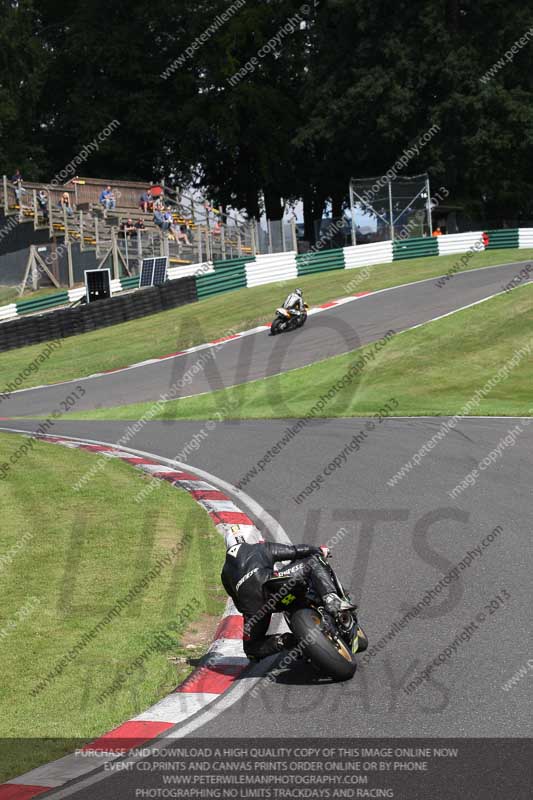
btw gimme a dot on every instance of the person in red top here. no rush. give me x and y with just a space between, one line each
437 232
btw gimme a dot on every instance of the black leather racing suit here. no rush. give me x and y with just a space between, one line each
249 578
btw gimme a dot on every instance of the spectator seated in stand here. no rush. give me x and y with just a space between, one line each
160 221
180 234
146 202
64 204
437 232
139 225
169 223
107 199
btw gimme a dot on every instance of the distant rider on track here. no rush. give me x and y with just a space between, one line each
295 302
257 589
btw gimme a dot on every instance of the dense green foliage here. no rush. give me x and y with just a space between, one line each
346 88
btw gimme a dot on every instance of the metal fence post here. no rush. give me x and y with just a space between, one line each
34 271
391 211
352 215
97 237
70 265
139 249
199 232
50 213
6 199
294 236
35 214
114 244
430 212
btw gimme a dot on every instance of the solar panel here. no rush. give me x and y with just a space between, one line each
153 271
147 272
160 271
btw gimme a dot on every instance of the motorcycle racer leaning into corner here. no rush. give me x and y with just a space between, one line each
295 302
258 590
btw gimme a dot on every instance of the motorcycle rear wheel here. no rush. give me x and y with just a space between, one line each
276 327
332 657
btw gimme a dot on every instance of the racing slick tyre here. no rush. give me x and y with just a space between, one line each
332 657
276 327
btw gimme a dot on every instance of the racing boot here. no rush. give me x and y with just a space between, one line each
325 587
334 604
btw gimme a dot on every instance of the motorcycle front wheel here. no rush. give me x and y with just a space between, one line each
333 657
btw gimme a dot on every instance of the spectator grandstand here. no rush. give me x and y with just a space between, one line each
75 215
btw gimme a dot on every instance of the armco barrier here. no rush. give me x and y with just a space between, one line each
525 237
42 303
504 238
224 280
415 248
271 269
229 263
364 255
460 242
66 322
8 312
320 261
224 276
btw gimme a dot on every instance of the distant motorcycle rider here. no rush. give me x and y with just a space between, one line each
295 302
258 590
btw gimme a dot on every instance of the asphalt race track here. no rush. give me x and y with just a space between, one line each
337 330
397 542
400 542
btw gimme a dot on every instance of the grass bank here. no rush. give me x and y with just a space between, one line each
67 557
432 370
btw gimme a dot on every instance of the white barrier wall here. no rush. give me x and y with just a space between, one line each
173 273
363 255
525 237
271 268
460 242
8 312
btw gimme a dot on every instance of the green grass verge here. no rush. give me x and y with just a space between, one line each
431 370
76 553
211 318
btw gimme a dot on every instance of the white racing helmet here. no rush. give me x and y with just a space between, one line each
233 539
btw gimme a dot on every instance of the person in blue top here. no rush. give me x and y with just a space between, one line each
107 198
